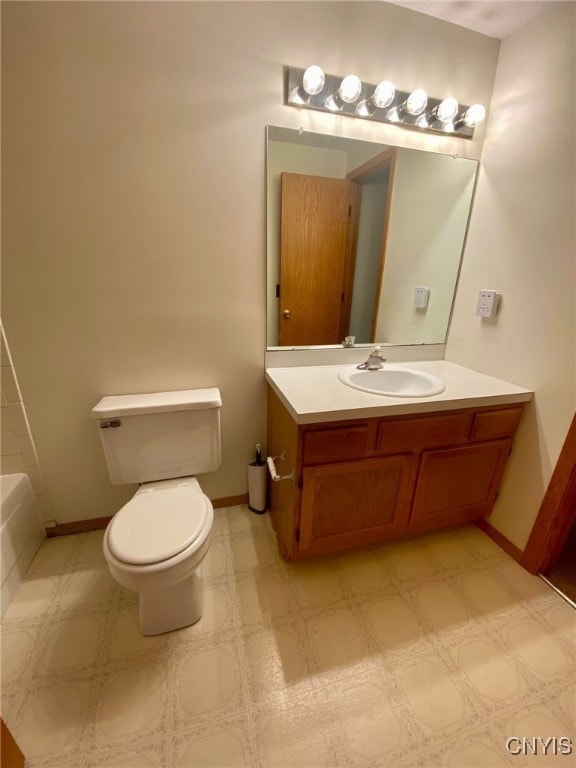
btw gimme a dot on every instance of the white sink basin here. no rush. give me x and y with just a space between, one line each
392 380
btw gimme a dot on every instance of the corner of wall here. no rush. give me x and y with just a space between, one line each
18 452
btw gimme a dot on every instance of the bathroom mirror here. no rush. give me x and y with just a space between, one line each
363 240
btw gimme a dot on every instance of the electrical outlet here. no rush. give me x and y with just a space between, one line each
421 296
487 305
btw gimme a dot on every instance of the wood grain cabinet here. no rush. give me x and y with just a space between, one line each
360 482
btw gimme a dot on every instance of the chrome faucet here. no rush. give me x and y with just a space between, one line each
374 362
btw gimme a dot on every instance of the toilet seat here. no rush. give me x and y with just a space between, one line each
157 525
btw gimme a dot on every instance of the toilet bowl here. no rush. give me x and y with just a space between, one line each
155 545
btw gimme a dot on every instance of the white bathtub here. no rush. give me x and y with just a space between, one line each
21 533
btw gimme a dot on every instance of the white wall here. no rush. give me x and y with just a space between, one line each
431 198
368 258
522 242
134 198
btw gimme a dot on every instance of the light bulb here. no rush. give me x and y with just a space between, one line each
474 115
350 89
416 102
447 110
313 80
384 94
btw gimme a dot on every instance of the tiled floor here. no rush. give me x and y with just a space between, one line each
427 652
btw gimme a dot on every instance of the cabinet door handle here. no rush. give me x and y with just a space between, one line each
272 468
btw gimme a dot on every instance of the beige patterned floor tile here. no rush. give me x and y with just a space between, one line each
409 560
393 625
539 650
132 706
276 665
54 554
253 551
217 618
525 585
18 649
88 588
207 684
340 645
486 593
406 655
150 754
536 722
241 520
477 749
217 563
563 703
437 702
370 725
262 598
125 640
218 745
480 543
562 618
90 548
53 722
363 573
487 668
34 598
443 608
448 550
220 525
72 644
314 585
294 736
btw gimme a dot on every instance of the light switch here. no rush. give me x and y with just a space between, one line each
421 296
487 305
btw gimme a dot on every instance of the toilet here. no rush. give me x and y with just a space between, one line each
155 544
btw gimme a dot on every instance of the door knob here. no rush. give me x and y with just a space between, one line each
286 314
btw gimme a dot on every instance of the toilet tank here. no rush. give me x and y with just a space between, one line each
160 435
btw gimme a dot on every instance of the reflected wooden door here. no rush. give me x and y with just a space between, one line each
313 258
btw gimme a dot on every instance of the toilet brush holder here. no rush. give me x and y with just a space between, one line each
257 479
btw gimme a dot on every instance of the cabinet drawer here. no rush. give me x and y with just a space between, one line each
422 432
492 424
326 445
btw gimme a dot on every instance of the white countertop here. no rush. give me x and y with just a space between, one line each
315 394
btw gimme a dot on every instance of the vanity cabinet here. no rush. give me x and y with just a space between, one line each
363 481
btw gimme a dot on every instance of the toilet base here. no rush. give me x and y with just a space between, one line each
162 610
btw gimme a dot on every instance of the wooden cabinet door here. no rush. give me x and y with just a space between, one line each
353 503
458 484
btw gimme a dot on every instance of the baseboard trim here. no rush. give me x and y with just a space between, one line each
78 526
511 549
230 501
98 523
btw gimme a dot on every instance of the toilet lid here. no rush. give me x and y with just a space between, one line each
157 525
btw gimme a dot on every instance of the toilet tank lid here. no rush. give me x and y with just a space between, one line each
156 402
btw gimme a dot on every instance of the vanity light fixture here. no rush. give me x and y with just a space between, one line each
445 112
350 89
313 80
382 97
312 88
348 92
416 103
472 117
